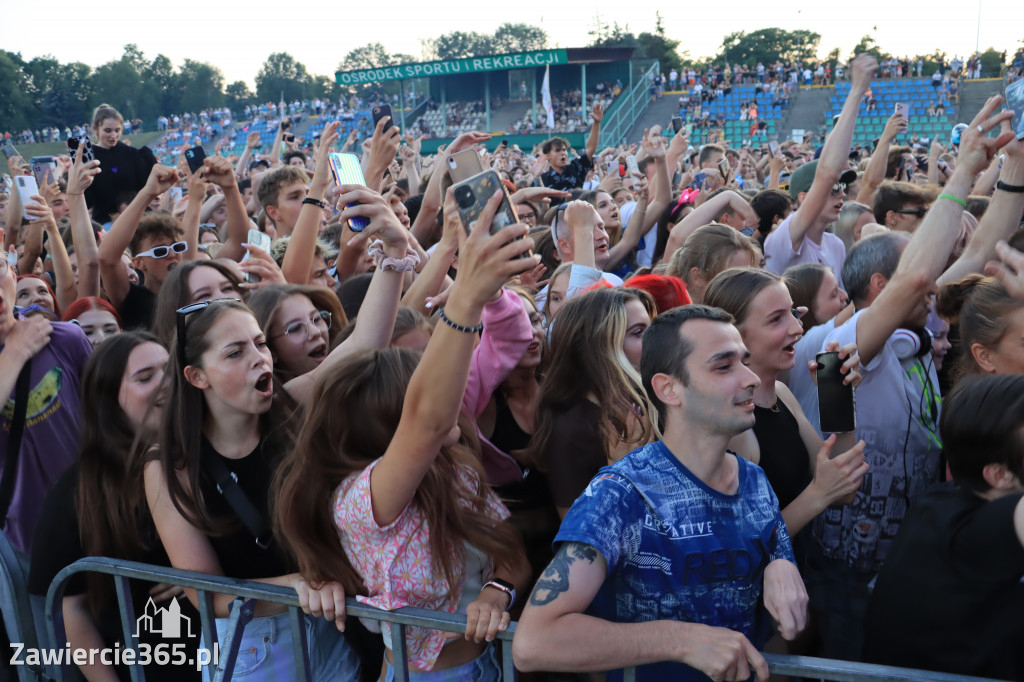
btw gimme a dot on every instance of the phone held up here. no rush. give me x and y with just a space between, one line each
347 171
27 188
75 142
260 239
837 406
380 111
1014 97
195 158
473 194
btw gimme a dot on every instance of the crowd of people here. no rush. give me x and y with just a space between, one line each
601 419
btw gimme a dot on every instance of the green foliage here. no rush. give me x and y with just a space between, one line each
281 74
603 34
238 96
867 44
992 62
769 45
519 38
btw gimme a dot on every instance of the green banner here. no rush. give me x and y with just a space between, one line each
499 62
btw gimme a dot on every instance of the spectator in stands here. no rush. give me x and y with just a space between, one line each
124 170
963 542
694 370
562 173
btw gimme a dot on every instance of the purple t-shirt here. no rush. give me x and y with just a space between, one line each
49 443
779 253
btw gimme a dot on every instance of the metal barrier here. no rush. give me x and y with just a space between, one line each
634 101
400 619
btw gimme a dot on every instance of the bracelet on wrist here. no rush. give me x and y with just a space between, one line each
314 202
953 198
458 327
1015 189
406 264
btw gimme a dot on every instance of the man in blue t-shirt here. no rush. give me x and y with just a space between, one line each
664 560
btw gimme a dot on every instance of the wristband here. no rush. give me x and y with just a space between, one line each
1016 189
506 587
953 198
314 202
465 330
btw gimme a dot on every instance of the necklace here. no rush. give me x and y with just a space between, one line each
774 407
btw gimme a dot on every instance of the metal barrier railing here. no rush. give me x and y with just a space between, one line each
617 122
400 619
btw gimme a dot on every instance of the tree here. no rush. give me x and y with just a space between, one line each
17 110
519 38
162 89
658 46
769 45
369 56
868 45
604 34
202 86
238 96
459 44
281 74
66 101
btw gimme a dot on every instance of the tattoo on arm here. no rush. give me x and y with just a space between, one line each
555 579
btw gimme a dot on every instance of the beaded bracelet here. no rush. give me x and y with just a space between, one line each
458 327
953 198
407 264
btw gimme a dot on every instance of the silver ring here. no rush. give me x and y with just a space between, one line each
981 130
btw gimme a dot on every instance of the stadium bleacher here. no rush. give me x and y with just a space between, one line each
916 92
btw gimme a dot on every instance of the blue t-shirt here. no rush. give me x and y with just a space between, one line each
677 549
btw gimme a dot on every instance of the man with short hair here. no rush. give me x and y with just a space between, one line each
566 175
901 206
280 194
663 561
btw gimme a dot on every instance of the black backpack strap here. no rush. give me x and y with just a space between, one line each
14 440
251 517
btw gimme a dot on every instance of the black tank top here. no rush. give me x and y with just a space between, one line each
784 456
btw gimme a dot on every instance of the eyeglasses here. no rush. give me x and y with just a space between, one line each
298 332
838 188
920 211
182 318
164 251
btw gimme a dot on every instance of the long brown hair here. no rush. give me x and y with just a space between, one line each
182 431
355 409
587 359
175 293
110 498
804 283
982 307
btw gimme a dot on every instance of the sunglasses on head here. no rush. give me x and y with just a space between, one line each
838 188
920 211
164 251
182 317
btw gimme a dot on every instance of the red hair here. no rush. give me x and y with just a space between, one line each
668 292
86 304
56 306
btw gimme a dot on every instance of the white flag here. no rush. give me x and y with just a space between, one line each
545 93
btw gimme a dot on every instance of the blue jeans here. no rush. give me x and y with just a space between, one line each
265 653
484 668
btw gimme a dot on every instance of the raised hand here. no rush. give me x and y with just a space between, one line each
862 70
893 127
977 150
597 112
81 174
161 178
218 170
838 478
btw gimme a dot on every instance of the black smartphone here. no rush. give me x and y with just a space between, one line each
289 138
286 123
677 124
8 150
195 158
379 112
837 407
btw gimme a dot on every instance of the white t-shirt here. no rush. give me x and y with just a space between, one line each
779 253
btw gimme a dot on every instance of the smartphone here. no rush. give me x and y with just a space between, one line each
773 148
631 165
27 188
347 171
379 112
677 177
837 407
195 158
289 138
473 194
286 123
613 166
464 165
725 169
260 239
73 144
903 109
1015 102
9 151
698 180
677 124
44 169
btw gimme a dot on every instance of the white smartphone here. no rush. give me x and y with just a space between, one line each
260 239
27 188
903 109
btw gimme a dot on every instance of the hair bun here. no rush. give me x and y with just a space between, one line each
952 296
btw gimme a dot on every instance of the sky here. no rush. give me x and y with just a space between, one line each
237 36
